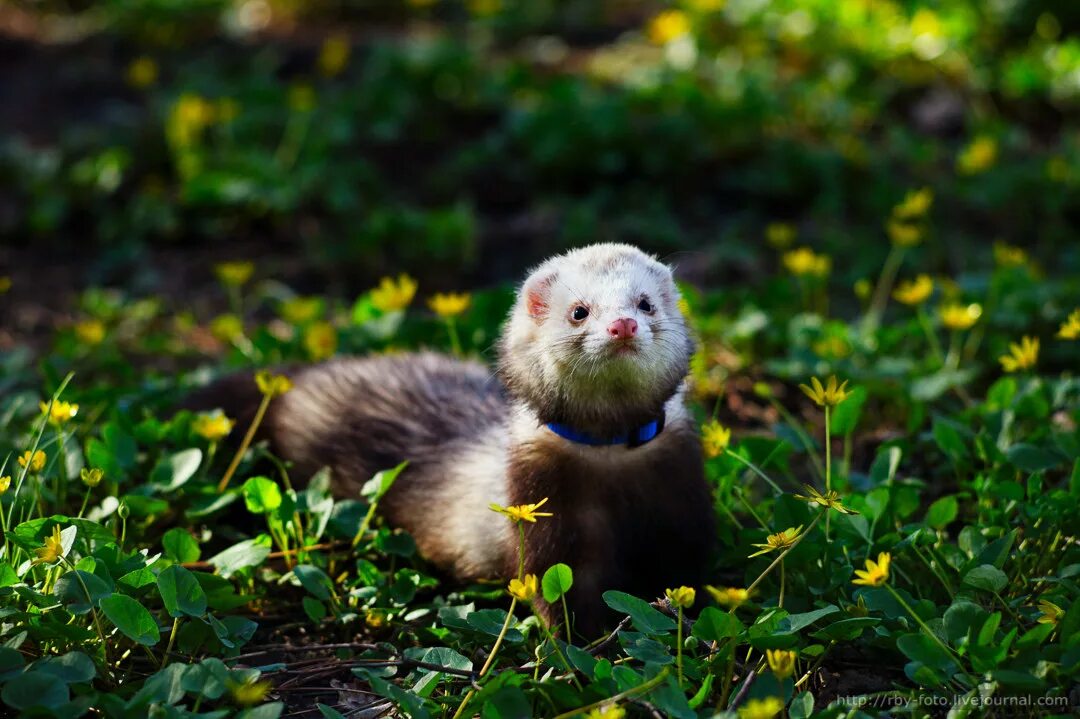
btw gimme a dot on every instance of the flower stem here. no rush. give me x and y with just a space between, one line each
931 336
248 438
755 469
678 647
633 691
828 462
783 554
491 657
922 625
883 289
455 342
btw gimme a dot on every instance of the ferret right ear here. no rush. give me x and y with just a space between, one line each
536 295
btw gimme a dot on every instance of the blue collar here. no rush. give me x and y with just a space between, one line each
634 438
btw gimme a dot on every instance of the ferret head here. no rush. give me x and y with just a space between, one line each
596 339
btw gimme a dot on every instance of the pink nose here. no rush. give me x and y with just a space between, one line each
622 329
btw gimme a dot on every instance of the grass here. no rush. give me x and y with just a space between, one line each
897 542
937 539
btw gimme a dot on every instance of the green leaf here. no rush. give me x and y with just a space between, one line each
174 471
846 414
646 618
314 580
490 621
181 592
131 618
261 495
72 587
1029 458
949 439
249 553
794 622
376 487
71 668
440 656
34 689
180 546
713 625
271 710
986 576
942 512
923 649
315 609
557 581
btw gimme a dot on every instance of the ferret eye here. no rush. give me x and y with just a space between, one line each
645 305
580 313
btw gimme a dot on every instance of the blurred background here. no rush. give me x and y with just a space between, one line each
333 142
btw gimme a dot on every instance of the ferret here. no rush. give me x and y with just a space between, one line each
586 409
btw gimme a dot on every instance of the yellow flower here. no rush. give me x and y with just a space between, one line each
5 482
781 662
391 296
212 426
522 512
449 304
761 708
715 438
876 573
35 460
684 307
914 292
5 284
1070 328
333 55
320 340
668 26
59 412
804 261
142 72
301 98
829 500
916 204
272 385
188 117
904 234
830 395
979 156
91 332
728 596
959 317
682 597
52 550
609 711
1009 256
250 692
780 540
91 477
523 590
1021 356
780 234
301 310
375 618
1051 613
863 288
234 274
227 327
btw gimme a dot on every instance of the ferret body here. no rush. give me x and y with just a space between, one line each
594 350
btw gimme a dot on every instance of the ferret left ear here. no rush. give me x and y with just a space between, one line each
537 295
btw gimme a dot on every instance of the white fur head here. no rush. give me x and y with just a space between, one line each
596 339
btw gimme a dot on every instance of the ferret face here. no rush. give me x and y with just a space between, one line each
596 339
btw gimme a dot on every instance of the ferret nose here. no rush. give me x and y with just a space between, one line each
622 329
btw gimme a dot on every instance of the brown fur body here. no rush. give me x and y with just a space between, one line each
637 519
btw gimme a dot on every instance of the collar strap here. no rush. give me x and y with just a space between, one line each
634 438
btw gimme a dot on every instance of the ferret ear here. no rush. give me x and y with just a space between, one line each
536 295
